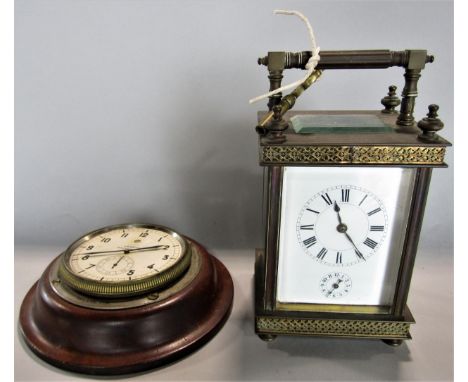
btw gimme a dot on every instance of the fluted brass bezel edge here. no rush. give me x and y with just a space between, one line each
127 288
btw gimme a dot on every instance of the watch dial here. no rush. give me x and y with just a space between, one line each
347 222
342 225
125 254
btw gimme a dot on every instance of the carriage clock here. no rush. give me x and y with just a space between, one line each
344 198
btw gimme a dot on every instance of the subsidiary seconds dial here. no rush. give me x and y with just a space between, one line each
342 225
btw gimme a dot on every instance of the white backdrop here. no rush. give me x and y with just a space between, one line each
136 110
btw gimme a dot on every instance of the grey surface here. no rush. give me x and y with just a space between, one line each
136 111
236 353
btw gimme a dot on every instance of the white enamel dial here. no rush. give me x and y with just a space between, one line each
122 254
342 225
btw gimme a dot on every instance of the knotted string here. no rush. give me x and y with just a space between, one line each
311 64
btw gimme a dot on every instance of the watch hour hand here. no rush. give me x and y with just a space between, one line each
101 253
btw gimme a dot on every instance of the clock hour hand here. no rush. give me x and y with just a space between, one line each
337 210
343 228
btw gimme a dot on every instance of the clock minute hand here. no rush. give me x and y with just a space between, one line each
358 252
153 248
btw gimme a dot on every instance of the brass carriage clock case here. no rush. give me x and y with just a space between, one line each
394 140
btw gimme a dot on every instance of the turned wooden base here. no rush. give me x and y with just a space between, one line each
127 340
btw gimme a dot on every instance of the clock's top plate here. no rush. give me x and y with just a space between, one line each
355 127
367 138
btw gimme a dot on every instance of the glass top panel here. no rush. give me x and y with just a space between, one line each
342 123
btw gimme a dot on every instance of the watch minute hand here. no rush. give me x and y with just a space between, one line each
154 247
105 253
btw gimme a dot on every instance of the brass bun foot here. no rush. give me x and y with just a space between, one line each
267 337
393 343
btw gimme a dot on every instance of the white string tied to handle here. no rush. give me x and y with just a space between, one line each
311 63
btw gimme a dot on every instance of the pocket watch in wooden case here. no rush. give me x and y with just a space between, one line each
126 298
344 203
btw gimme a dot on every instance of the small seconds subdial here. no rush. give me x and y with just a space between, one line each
342 225
335 285
115 265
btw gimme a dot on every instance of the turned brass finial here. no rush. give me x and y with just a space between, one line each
390 101
430 124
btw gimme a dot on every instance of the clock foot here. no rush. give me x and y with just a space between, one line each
393 343
267 337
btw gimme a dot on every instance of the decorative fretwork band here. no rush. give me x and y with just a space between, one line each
343 328
416 155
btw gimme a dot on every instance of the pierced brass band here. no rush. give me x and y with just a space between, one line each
337 328
400 155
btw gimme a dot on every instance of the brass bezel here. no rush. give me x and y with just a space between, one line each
126 288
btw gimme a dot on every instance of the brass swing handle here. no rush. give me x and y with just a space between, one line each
413 60
349 59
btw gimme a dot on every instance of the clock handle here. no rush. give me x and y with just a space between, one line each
413 60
